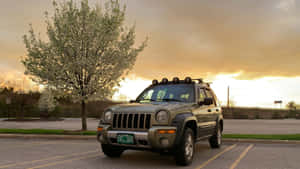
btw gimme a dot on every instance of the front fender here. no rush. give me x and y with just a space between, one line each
180 121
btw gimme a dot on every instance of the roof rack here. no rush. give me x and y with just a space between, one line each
200 80
177 80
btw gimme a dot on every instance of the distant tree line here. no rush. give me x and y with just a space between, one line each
22 106
293 106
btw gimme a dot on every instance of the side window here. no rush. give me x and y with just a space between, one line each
201 95
210 95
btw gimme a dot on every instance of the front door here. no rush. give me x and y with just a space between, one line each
203 114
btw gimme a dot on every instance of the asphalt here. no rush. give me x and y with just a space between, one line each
72 154
286 126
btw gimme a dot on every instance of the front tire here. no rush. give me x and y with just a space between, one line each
215 141
111 151
184 153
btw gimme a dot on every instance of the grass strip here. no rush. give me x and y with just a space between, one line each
264 136
47 131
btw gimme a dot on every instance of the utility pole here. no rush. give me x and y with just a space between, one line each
228 100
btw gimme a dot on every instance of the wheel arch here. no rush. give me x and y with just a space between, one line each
221 123
183 120
192 124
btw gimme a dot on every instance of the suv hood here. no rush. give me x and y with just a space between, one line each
151 107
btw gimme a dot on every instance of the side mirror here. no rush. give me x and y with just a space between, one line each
208 101
132 101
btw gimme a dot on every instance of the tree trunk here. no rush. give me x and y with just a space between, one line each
83 116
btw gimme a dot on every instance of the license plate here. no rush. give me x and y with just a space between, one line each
125 139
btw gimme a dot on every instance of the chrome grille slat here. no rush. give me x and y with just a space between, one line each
132 121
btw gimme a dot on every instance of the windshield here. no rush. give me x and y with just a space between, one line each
168 93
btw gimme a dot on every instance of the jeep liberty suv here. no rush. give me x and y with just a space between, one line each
167 117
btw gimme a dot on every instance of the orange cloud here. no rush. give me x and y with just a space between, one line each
187 38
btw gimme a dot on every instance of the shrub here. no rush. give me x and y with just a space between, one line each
276 115
297 115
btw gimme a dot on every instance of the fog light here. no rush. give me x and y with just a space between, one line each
100 129
167 131
164 142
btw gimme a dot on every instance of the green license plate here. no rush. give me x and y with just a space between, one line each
125 139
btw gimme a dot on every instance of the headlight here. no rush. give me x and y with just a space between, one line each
107 116
162 116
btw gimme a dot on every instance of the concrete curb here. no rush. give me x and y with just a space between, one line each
82 137
49 137
229 140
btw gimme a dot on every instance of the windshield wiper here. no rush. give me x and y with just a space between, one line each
175 100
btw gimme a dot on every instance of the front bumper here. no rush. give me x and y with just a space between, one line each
150 139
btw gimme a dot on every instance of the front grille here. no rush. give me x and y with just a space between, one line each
131 121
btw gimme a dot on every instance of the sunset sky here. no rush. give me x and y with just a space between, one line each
253 46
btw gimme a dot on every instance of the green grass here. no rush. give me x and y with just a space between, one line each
264 136
46 131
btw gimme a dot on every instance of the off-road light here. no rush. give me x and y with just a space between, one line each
154 82
164 80
175 80
188 80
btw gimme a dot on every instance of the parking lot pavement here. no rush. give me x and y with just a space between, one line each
280 126
286 126
49 154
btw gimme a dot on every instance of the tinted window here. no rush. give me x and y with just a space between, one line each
169 92
201 95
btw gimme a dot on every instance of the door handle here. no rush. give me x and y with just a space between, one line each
209 110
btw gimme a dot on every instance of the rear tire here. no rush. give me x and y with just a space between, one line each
185 151
215 141
112 151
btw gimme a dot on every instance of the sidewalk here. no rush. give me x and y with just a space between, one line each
66 124
287 126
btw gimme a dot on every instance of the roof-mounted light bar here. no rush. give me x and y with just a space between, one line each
188 80
177 80
154 82
164 81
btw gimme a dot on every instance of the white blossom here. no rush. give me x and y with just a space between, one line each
87 52
47 103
